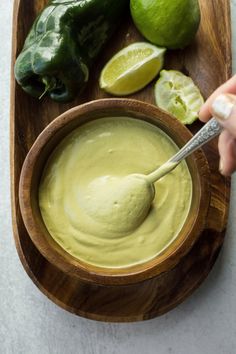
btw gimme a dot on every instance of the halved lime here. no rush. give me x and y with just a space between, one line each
166 23
177 94
132 68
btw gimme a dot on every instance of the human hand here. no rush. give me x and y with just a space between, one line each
222 105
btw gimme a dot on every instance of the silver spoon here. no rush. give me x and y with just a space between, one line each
129 204
205 134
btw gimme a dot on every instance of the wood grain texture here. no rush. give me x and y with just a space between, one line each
208 62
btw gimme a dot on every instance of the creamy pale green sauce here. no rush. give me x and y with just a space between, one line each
97 212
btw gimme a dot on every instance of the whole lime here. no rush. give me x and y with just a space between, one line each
167 23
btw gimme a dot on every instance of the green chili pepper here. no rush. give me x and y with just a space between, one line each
62 45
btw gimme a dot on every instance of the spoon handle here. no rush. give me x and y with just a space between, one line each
205 134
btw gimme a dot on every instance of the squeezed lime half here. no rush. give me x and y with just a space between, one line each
177 94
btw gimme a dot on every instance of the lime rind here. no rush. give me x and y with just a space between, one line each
177 94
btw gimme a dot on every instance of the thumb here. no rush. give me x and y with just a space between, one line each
224 110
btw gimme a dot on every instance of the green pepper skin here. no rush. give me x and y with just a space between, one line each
62 44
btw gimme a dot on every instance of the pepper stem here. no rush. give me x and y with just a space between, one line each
50 84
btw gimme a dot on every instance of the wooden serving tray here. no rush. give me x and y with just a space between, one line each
208 62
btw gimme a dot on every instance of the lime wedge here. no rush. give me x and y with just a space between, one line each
132 68
178 95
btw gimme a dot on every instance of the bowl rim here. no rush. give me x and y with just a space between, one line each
170 256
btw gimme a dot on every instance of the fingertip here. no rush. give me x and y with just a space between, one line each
227 150
204 113
228 87
225 169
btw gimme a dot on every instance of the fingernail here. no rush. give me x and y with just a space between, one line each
223 105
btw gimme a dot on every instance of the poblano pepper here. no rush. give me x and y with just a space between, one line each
62 45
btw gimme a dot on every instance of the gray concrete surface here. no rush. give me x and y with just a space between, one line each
31 324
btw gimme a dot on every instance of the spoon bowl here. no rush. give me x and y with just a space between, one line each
125 204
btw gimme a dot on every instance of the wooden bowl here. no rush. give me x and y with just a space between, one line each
43 147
